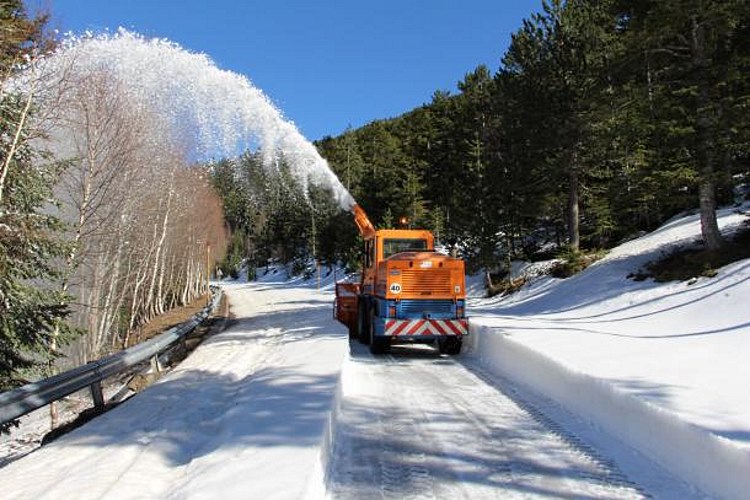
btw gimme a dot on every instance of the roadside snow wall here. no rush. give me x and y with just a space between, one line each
709 462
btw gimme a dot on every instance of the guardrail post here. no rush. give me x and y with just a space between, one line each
155 365
97 394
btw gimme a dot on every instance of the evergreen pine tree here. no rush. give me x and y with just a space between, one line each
697 51
31 310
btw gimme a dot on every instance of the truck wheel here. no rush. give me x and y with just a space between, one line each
457 347
450 345
363 322
378 345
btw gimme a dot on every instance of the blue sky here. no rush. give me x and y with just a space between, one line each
326 64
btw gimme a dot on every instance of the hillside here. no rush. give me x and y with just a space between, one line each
660 365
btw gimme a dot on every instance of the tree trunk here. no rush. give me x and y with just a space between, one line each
509 253
5 167
574 237
709 225
705 147
152 311
109 310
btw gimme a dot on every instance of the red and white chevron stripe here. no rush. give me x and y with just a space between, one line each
414 327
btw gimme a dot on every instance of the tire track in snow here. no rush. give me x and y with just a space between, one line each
418 425
606 466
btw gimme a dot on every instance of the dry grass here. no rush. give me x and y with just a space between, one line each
506 287
167 320
691 263
575 261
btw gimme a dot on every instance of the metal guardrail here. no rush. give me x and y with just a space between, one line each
20 401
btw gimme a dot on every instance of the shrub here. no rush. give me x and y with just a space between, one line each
688 263
574 261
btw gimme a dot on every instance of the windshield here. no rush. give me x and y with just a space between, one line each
393 246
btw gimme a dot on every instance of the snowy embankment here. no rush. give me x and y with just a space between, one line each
243 415
660 366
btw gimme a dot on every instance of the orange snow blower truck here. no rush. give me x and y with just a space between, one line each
408 293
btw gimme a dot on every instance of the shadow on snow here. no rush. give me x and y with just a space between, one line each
195 412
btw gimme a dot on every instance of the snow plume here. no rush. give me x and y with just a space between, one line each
216 113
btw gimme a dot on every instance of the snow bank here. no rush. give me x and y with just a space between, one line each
660 366
711 463
327 444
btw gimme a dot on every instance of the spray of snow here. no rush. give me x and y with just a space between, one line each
216 112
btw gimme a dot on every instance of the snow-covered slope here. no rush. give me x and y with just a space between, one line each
661 365
243 417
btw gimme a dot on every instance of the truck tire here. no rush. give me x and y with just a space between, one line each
354 327
363 321
450 345
378 345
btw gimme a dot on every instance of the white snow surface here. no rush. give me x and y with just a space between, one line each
597 386
662 366
245 414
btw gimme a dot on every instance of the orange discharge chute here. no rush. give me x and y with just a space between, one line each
366 229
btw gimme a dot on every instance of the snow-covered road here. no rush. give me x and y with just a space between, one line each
414 424
242 417
280 405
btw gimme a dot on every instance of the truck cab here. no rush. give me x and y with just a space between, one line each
386 243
